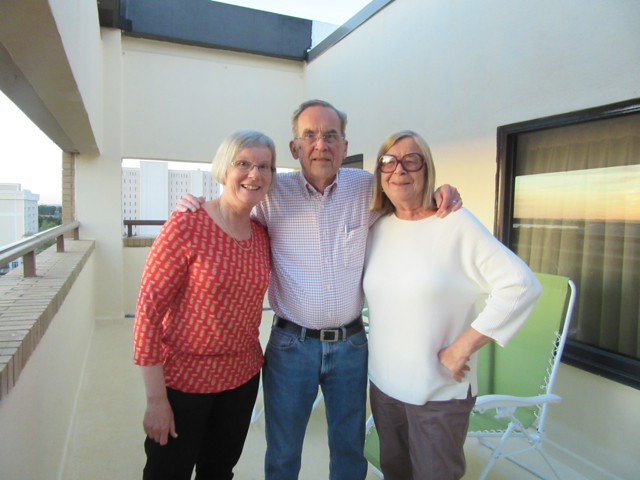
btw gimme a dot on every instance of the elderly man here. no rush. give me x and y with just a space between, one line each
318 221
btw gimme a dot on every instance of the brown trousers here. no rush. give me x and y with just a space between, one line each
421 442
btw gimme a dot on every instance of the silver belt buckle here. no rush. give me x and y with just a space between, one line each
334 332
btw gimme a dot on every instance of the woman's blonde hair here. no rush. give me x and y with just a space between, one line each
380 202
230 147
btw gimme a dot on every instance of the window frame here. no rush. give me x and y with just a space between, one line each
354 161
613 366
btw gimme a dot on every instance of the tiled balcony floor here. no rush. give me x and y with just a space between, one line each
106 440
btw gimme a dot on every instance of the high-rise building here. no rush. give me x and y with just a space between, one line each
18 215
151 192
18 212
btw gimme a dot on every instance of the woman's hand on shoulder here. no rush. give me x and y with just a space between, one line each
158 421
189 203
447 199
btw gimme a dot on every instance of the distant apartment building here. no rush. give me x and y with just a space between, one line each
151 192
18 215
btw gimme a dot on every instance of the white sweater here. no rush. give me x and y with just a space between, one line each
424 282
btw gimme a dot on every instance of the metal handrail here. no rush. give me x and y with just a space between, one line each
26 248
131 223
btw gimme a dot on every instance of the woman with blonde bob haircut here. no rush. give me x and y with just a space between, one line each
380 202
423 278
235 142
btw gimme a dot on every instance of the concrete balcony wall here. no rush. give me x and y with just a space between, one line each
36 415
133 258
52 68
455 72
171 102
180 102
98 188
79 31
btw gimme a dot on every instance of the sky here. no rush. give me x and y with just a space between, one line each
29 158
336 12
611 193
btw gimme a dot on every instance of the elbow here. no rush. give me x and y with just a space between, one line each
536 286
528 287
533 288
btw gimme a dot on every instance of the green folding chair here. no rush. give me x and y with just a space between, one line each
372 443
510 404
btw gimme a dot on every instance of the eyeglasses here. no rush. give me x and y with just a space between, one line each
246 167
312 138
412 162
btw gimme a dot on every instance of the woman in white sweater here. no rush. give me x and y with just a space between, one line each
424 277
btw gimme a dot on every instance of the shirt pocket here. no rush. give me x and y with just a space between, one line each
354 243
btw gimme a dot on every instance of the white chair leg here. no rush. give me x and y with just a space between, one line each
496 452
318 398
548 460
256 415
531 470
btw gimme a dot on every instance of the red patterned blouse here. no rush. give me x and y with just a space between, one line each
200 304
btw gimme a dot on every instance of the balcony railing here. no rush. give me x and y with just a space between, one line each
30 302
26 248
131 223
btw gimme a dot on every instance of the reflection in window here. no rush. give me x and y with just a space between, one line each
576 212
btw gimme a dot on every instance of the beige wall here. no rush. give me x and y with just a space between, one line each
596 426
35 417
171 102
180 102
98 189
454 71
54 57
77 25
133 261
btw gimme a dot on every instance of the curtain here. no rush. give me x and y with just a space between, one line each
577 214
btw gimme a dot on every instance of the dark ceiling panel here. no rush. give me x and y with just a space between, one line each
213 24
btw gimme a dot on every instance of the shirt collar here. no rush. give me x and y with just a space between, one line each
308 188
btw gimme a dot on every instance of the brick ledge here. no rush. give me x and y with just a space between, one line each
137 241
27 305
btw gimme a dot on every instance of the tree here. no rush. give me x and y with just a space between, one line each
49 210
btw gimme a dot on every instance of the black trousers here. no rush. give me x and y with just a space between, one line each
211 428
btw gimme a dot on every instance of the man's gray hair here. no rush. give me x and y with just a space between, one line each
317 103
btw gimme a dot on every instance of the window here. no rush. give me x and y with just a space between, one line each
569 204
354 161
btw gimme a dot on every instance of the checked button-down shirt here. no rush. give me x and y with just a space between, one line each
318 242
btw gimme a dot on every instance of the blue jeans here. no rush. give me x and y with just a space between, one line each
294 367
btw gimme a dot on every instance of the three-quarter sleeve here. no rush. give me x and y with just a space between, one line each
165 270
511 285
